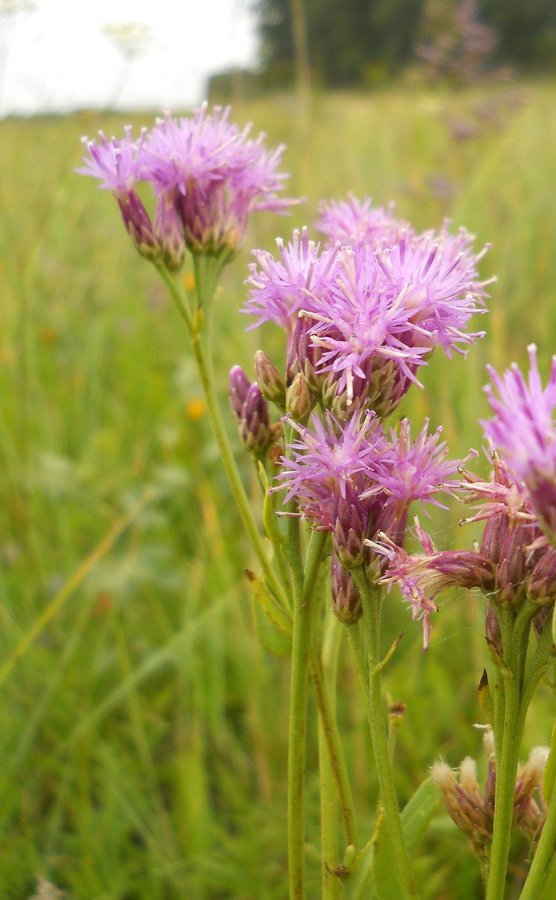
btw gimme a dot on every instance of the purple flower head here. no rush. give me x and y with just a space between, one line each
418 470
118 164
523 429
327 475
208 175
280 288
436 279
525 563
217 176
357 222
359 326
394 306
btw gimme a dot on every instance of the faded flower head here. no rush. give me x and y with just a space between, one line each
422 577
523 429
208 175
472 809
512 564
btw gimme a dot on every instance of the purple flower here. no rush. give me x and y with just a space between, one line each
418 470
357 222
513 562
359 325
327 475
216 174
523 429
118 164
397 304
368 318
350 480
208 175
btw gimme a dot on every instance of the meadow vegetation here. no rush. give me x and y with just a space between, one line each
143 727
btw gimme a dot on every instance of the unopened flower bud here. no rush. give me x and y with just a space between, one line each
346 602
269 379
303 356
493 634
349 535
138 224
169 231
251 411
239 385
255 425
299 400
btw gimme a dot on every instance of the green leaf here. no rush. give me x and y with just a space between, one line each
416 817
272 624
418 812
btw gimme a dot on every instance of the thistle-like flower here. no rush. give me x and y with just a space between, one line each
119 165
350 480
208 176
523 429
360 321
216 175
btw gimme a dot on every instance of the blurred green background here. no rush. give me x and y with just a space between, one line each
143 728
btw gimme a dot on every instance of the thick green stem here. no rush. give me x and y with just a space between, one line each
370 600
543 867
507 746
195 328
544 853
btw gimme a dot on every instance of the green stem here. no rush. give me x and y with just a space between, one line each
507 757
543 865
370 600
329 793
301 647
195 328
544 852
334 748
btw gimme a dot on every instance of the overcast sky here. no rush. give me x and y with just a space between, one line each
57 57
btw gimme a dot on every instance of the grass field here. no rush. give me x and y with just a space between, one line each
142 727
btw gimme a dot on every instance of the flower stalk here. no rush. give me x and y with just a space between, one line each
370 599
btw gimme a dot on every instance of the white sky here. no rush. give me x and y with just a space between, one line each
56 58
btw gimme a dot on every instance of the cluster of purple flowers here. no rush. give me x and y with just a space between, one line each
361 318
207 175
362 314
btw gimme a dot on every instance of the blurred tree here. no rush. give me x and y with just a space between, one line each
357 41
526 30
